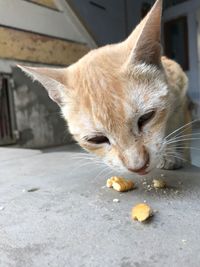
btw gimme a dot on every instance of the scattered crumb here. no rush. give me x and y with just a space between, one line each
2 208
120 184
144 183
141 212
148 188
176 191
184 241
24 190
162 175
116 200
144 201
159 183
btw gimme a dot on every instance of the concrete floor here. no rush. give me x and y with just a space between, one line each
69 218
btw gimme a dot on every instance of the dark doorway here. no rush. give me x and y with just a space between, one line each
176 41
7 122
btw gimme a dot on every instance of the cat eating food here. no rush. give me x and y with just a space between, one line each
121 101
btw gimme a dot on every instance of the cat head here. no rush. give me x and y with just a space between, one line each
115 99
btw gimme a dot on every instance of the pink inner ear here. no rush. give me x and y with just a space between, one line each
55 96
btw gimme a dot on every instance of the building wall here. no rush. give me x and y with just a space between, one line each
39 33
38 118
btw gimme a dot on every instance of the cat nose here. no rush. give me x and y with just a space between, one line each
141 170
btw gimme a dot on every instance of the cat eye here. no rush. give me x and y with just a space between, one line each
99 139
144 119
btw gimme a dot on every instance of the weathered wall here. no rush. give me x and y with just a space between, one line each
47 3
26 46
39 121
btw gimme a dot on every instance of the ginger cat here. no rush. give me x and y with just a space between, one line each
122 100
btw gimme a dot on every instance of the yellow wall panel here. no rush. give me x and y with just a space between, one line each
26 46
48 3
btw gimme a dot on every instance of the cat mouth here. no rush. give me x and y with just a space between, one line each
143 170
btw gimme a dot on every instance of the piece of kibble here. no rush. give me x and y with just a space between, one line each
159 183
141 212
116 200
120 184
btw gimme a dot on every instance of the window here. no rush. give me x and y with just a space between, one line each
176 41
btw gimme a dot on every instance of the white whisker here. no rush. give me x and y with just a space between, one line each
184 126
181 140
90 163
187 147
101 172
186 135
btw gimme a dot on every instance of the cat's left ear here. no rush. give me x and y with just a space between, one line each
144 41
53 80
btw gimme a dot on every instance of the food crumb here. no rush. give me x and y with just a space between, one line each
141 212
120 184
2 208
116 200
159 183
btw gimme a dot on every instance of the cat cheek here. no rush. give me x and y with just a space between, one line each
156 154
113 161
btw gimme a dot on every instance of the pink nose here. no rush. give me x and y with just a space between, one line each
141 170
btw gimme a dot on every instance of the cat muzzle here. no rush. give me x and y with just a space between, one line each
143 169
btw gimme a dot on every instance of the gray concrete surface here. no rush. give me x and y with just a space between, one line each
71 219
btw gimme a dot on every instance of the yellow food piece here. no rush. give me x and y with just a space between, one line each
141 212
159 183
120 184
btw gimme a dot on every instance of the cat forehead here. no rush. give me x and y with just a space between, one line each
104 87
146 95
110 114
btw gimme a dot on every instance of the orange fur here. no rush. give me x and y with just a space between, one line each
108 90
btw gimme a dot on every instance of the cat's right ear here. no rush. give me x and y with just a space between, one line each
143 44
53 80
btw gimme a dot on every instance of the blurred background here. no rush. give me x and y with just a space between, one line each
57 33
